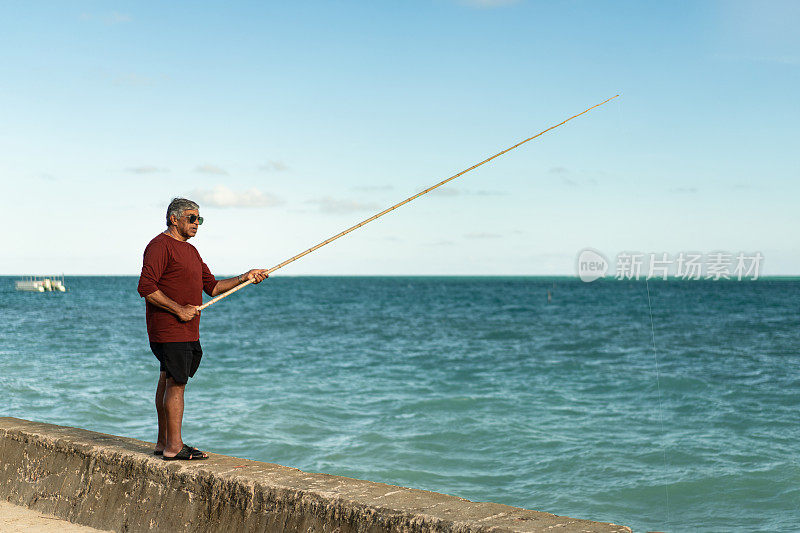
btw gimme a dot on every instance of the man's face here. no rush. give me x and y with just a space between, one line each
184 227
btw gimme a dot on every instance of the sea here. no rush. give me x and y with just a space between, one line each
661 405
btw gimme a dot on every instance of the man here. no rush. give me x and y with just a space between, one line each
172 280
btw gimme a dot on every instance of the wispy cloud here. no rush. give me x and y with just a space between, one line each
146 169
776 59
779 59
447 190
482 236
117 18
328 204
372 188
444 190
222 196
211 169
131 79
488 4
567 177
782 60
108 19
274 165
563 173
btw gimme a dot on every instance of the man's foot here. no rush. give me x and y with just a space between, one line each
187 453
159 449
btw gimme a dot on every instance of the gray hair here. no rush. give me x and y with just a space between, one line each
177 206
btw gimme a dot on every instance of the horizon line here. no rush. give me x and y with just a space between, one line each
566 276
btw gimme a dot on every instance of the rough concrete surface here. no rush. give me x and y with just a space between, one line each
17 519
115 483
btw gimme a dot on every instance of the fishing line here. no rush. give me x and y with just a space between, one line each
658 386
373 217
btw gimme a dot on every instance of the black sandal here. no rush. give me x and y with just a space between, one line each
187 453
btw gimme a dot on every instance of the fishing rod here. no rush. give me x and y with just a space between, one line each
410 198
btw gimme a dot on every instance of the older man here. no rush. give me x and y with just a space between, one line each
172 282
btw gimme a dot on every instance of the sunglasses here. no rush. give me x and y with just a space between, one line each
195 218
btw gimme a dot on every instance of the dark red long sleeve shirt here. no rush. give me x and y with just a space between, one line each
175 268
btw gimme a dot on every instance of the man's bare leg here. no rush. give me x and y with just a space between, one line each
173 408
161 443
173 411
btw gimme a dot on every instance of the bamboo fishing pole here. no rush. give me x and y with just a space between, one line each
410 198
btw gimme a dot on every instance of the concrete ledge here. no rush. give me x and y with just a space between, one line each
18 519
114 483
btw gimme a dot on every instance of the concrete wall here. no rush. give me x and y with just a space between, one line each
115 483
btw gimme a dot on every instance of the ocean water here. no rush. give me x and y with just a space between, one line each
469 386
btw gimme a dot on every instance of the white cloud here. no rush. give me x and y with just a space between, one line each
373 188
131 79
222 196
760 32
211 169
482 236
117 18
779 59
444 190
109 19
274 166
488 4
567 177
146 169
449 190
332 205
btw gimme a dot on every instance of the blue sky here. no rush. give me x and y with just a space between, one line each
291 121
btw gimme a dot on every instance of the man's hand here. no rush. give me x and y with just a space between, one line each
184 312
257 275
187 312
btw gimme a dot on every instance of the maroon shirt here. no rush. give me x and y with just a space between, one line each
175 268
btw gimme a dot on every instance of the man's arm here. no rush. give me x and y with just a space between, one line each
257 275
184 312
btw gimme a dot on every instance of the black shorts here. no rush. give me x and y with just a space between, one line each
178 359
